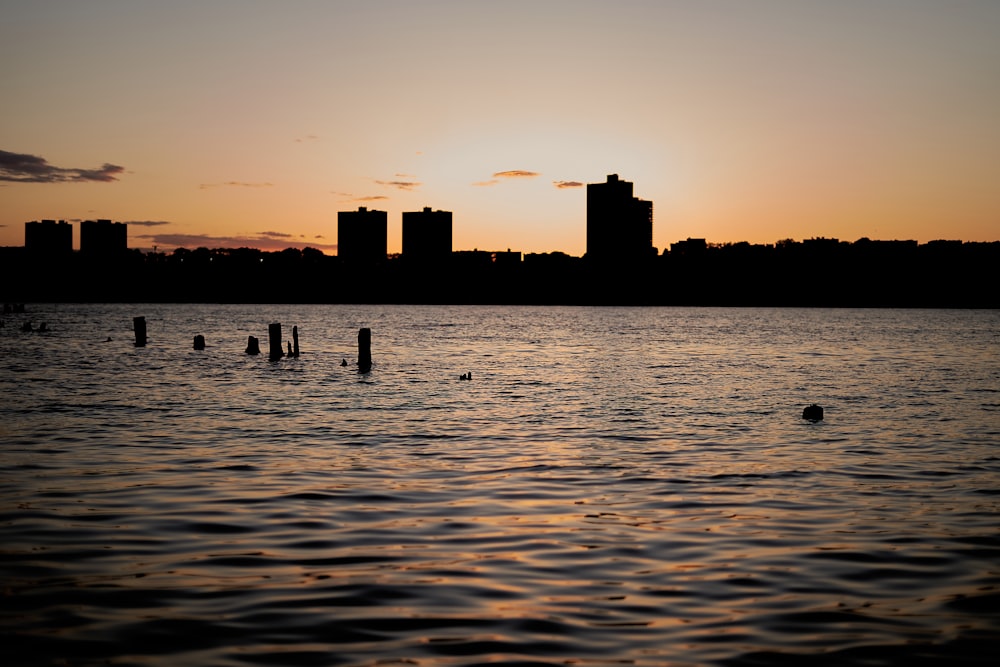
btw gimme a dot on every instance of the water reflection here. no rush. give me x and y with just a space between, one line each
615 485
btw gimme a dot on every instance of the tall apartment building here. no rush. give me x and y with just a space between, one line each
362 236
426 235
103 238
48 237
619 225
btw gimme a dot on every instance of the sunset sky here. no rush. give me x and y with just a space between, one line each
227 123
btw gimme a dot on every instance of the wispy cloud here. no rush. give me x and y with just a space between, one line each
266 241
147 223
308 137
516 173
401 185
499 176
347 197
562 185
234 184
25 168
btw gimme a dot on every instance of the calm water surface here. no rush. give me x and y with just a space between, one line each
614 486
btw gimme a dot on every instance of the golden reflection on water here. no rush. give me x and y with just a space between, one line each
614 485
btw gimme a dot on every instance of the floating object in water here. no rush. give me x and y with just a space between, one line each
813 413
465 376
343 362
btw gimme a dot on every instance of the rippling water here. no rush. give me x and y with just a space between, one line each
615 485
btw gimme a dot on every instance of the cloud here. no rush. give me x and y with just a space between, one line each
513 173
24 168
234 184
348 198
516 173
308 137
275 235
401 185
268 242
147 223
562 185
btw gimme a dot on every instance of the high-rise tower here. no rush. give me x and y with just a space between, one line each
619 226
362 236
48 237
426 235
103 238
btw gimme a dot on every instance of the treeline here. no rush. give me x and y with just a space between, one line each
816 272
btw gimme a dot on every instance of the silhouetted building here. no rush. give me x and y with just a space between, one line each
507 258
362 236
473 259
689 248
426 235
103 238
48 237
619 226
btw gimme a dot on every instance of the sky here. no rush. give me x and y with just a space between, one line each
245 123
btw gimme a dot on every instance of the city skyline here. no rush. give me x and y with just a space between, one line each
253 124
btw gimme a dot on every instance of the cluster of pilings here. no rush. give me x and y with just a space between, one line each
275 350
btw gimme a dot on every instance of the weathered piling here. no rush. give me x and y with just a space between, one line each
364 350
199 342
274 341
295 341
253 345
139 326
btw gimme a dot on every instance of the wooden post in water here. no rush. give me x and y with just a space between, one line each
364 350
199 342
253 345
295 341
274 341
139 326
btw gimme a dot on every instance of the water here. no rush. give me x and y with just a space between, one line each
614 486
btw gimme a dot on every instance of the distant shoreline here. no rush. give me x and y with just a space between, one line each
823 273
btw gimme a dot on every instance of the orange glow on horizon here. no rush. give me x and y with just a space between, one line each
751 124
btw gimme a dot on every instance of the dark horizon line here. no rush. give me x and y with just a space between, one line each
831 273
704 243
